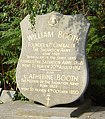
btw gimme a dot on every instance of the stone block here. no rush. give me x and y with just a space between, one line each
5 96
52 68
27 110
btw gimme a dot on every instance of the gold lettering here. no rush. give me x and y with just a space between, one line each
43 85
37 76
74 84
40 35
40 90
60 34
25 89
50 34
75 92
58 91
29 38
66 78
68 36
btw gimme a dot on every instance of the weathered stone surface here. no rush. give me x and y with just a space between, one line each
11 93
52 67
18 110
26 110
5 96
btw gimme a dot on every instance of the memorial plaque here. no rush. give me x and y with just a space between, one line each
52 67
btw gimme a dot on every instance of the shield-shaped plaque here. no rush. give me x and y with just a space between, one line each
52 67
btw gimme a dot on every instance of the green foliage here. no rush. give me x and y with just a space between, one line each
96 51
93 5
13 11
10 74
19 96
98 75
96 46
10 41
